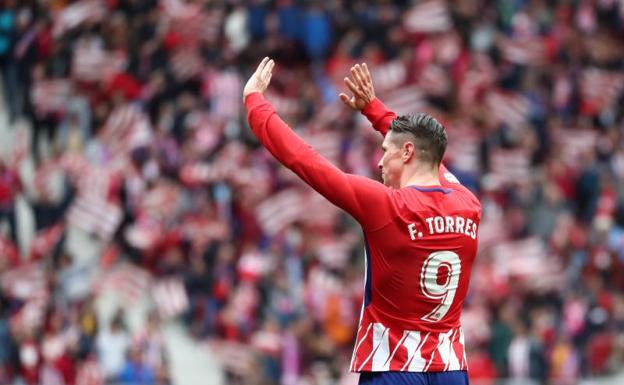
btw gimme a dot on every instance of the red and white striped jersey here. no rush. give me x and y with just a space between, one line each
420 246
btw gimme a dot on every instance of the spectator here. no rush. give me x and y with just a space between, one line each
10 187
112 346
135 371
8 34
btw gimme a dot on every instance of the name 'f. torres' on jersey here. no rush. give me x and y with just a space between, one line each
420 246
417 273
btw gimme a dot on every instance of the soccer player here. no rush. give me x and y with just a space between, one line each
420 230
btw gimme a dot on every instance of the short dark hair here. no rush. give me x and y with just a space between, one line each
429 134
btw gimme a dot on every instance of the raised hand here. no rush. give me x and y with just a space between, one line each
259 80
361 86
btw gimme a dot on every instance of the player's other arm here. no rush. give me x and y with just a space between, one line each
363 198
363 99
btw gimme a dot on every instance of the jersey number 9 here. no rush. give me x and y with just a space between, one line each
445 292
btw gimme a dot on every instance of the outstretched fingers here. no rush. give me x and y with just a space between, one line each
358 75
347 100
366 73
266 71
354 88
262 64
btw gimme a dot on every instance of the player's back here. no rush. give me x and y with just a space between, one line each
418 271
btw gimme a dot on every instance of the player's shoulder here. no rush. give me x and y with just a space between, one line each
450 181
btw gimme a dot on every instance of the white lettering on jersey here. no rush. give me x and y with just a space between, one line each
468 226
413 231
430 223
451 224
439 224
459 225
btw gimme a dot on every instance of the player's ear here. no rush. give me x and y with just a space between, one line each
407 152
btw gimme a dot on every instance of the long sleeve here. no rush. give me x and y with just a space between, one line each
379 115
366 200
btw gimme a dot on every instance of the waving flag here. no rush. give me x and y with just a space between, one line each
77 13
94 64
129 282
50 95
170 298
507 107
428 16
601 88
526 51
25 282
280 210
406 100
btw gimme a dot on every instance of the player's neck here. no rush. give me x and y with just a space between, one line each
420 177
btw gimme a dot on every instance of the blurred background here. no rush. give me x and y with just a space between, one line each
145 237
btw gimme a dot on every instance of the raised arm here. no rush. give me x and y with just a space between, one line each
363 99
366 200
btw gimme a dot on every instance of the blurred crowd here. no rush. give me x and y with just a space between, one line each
139 137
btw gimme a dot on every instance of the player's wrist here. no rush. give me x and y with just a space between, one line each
252 98
370 106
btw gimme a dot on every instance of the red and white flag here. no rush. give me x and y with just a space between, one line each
284 105
492 231
75 165
508 166
170 297
601 88
200 173
253 265
406 100
77 13
186 19
208 131
120 123
25 282
573 144
327 143
527 259
280 210
463 147
428 16
508 107
224 89
525 51
319 211
93 211
32 314
50 96
129 282
92 63
9 254
95 216
389 76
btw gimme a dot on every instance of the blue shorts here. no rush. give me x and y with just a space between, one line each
455 377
